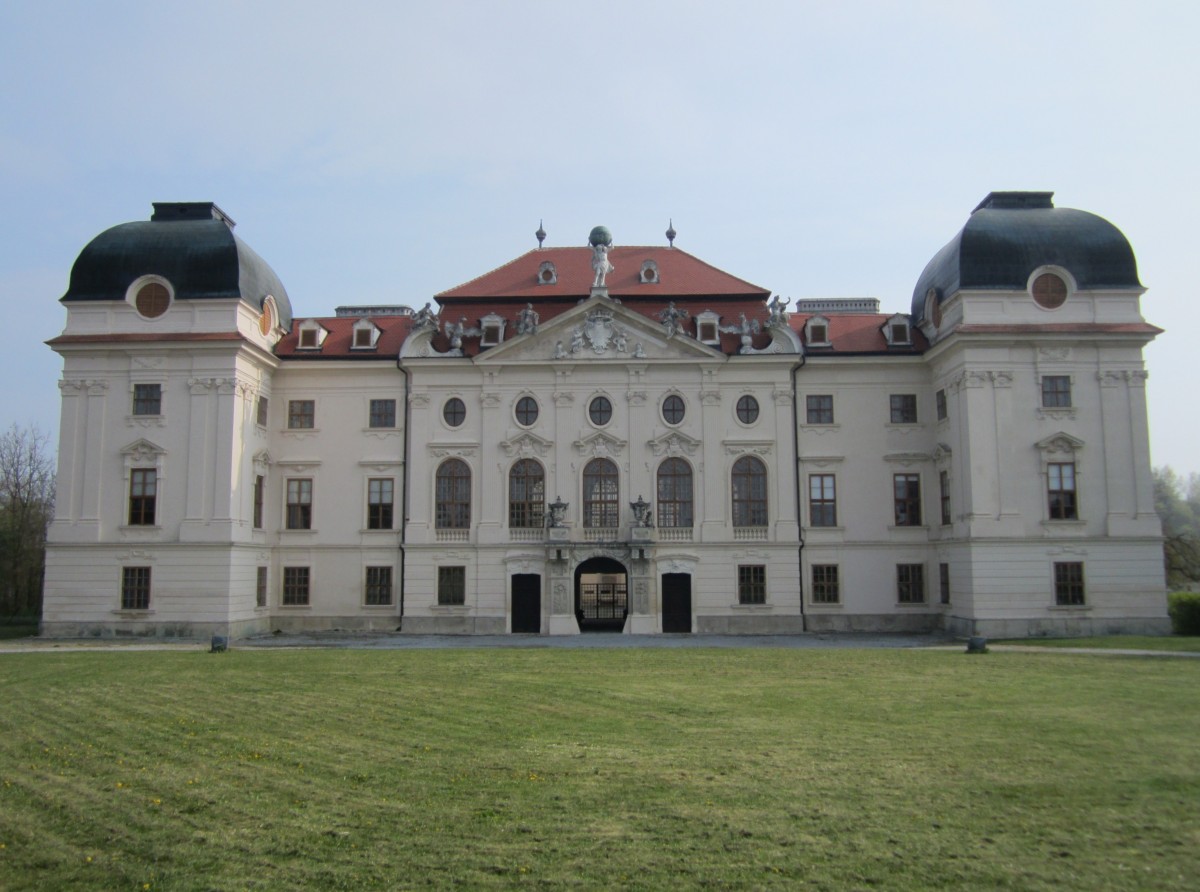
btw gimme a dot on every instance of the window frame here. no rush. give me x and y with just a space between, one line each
454 412
1062 495
526 495
1056 392
298 513
302 415
452 495
296 587
752 584
526 411
600 410
944 498
826 585
381 414
258 501
747 409
673 409
674 483
377 591
944 582
818 408
601 494
941 410
143 497
1069 584
822 500
147 399
135 588
262 411
910 583
381 501
261 586
906 499
749 489
452 586
903 408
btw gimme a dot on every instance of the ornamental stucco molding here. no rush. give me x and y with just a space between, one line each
782 397
142 452
77 386
148 362
710 397
135 555
1060 443
743 447
452 450
674 443
600 445
418 400
262 459
489 400
636 397
1054 354
1117 377
564 399
942 453
526 444
907 459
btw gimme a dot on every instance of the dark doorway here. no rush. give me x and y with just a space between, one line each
601 597
526 603
677 602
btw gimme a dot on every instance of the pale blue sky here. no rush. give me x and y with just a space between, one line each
382 152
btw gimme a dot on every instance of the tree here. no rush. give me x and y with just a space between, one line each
26 506
1178 504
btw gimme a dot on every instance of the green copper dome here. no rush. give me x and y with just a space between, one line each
600 236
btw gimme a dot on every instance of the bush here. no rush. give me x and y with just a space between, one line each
1184 610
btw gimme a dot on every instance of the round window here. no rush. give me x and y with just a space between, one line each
527 410
454 412
600 411
1049 291
152 300
672 409
747 409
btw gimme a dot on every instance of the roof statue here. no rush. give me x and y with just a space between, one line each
747 328
672 319
527 320
600 240
424 318
779 313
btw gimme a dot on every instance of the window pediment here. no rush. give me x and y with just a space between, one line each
142 451
526 444
600 445
674 443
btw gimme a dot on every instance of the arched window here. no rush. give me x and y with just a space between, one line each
453 495
600 505
675 493
749 492
526 494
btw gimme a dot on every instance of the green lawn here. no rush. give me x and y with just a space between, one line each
649 769
1178 643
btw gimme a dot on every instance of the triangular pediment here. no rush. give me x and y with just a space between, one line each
599 330
526 444
674 443
1060 442
600 445
142 449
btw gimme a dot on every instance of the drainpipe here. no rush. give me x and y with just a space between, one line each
404 487
799 483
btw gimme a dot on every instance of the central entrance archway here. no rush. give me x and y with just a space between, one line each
601 595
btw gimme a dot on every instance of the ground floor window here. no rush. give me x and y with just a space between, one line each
260 588
295 586
752 584
1068 583
452 586
379 586
944 582
135 588
910 583
825 589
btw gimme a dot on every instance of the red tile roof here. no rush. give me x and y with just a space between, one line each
857 333
393 331
680 275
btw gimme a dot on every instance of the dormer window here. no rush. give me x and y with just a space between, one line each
312 335
365 335
649 273
150 296
897 331
492 327
547 275
708 328
816 331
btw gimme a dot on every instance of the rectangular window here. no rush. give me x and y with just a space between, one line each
301 414
147 399
452 586
379 503
818 334
262 411
299 503
944 487
1056 391
904 408
363 338
1060 484
752 584
135 588
910 583
939 399
822 500
295 586
944 582
1068 584
260 491
260 588
379 586
383 413
143 494
820 409
907 496
308 338
825 588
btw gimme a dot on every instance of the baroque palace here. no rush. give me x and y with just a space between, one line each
607 437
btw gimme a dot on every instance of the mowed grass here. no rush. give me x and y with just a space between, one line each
640 768
1175 643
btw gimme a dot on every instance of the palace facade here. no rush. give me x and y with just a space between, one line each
607 437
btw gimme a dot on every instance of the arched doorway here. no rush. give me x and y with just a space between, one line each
601 595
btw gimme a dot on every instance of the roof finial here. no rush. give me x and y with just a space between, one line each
671 232
540 234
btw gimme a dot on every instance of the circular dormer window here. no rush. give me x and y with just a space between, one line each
152 300
1049 291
